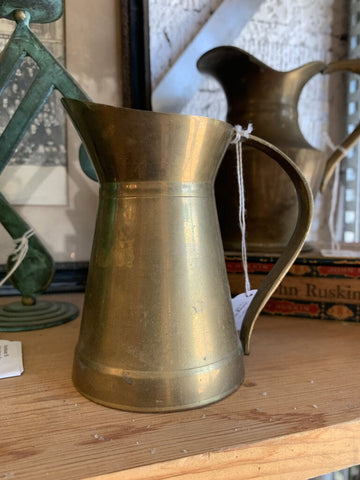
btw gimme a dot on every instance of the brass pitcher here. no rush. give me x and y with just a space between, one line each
158 331
268 99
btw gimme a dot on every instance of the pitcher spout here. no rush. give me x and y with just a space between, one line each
146 146
234 69
248 82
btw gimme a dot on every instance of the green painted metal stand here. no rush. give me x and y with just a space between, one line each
37 269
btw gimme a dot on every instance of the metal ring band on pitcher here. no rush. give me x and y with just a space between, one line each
156 189
291 251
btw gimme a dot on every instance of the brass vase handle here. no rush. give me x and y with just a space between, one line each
348 65
292 249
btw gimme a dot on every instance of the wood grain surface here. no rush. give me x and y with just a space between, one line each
297 414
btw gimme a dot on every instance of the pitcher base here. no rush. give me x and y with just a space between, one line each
159 391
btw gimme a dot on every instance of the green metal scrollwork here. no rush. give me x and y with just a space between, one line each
52 75
37 270
40 11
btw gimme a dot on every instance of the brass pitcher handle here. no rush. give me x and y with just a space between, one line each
292 249
347 65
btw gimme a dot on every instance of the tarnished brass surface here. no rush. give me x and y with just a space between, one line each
158 331
305 208
268 99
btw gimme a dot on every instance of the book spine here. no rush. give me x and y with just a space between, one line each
325 292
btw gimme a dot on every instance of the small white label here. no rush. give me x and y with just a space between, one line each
240 305
340 253
11 363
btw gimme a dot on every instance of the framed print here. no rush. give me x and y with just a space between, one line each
55 197
36 173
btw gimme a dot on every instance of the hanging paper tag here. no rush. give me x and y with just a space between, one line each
240 305
11 363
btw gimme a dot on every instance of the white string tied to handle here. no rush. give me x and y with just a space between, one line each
332 145
240 133
19 253
335 192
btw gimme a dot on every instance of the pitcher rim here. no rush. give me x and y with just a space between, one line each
233 48
89 103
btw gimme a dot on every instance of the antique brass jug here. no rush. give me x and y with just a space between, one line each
158 331
268 99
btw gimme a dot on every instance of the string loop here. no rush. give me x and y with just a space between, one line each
335 193
20 250
239 134
332 145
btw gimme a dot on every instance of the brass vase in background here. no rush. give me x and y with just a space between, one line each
158 331
268 99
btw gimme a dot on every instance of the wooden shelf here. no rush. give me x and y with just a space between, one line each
296 416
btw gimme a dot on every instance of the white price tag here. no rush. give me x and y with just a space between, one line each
240 305
340 253
11 363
